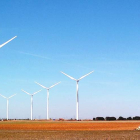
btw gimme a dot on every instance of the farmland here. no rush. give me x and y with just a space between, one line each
68 130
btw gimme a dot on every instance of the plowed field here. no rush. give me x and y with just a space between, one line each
81 130
39 125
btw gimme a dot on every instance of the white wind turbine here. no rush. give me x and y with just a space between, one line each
31 101
77 96
47 96
7 41
7 103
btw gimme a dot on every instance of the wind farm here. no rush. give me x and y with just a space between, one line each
47 125
92 47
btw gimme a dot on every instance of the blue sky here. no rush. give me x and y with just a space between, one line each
75 37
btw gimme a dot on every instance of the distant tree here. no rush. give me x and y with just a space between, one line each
121 118
99 119
110 118
136 118
93 119
129 118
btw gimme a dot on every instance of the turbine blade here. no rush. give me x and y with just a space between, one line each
54 85
69 76
41 85
11 96
85 75
36 92
7 41
3 96
26 92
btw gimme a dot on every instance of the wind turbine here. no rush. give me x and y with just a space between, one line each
47 96
7 103
7 41
31 101
77 96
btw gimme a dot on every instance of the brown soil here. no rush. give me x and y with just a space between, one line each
38 125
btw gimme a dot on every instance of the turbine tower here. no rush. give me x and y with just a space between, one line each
77 96
31 101
7 41
47 96
7 103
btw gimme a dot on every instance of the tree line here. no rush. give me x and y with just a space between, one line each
114 118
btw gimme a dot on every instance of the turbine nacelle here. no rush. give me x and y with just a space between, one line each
29 93
7 97
47 87
77 80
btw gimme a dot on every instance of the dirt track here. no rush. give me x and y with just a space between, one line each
38 125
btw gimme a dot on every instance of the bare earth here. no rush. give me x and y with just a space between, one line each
67 130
